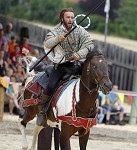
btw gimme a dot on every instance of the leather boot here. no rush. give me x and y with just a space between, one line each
41 118
44 98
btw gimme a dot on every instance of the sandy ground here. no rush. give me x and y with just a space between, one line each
102 137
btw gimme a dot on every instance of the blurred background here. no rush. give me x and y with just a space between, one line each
122 15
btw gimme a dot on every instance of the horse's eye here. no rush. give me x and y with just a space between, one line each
94 66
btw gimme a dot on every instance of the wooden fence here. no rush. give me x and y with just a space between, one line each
122 62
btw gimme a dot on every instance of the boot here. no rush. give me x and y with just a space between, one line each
44 98
41 118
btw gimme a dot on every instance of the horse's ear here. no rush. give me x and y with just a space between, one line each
93 53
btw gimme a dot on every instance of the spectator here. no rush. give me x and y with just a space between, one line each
101 110
11 45
4 43
16 59
1 26
25 44
3 64
113 104
35 53
11 93
32 58
11 65
20 73
8 32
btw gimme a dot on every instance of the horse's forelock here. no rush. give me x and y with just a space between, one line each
93 53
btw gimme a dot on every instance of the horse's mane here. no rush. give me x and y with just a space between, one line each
93 53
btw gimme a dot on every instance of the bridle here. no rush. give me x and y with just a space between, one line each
92 74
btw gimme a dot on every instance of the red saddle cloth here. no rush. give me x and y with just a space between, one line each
36 89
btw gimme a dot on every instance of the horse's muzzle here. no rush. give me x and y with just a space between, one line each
106 88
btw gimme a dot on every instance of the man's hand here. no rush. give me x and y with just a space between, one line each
75 56
61 38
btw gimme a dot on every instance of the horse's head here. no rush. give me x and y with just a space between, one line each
97 71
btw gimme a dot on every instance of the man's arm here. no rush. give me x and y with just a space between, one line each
86 44
51 40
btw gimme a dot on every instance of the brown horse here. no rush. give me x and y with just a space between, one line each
84 110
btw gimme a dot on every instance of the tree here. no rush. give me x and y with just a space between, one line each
127 19
87 5
46 10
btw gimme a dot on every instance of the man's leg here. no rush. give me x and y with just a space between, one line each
121 116
108 110
54 78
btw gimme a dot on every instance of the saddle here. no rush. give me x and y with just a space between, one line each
38 84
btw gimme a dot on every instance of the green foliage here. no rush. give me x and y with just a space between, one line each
47 11
127 19
97 23
18 12
5 6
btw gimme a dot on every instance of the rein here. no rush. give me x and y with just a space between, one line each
92 90
91 71
74 111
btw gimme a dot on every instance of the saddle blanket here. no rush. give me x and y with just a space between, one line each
64 100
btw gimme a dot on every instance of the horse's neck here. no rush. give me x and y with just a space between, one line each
88 93
86 81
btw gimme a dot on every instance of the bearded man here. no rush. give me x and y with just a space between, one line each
69 49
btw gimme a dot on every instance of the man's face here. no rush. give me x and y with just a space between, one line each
68 20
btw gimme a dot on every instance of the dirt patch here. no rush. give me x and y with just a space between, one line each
102 137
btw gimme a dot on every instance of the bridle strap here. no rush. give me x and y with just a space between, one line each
92 90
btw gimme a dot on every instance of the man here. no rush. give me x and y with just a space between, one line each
9 32
68 50
113 104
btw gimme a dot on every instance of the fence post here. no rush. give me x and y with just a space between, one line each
2 92
133 113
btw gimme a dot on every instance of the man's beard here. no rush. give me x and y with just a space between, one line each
67 26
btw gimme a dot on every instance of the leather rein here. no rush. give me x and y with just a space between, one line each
91 72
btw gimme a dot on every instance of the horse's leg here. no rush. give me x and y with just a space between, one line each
66 132
35 136
24 139
29 114
83 141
